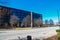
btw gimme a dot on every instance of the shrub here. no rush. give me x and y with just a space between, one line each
58 38
58 30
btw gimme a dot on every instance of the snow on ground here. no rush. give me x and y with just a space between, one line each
35 33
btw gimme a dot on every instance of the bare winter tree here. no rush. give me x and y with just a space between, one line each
14 21
34 22
38 22
26 21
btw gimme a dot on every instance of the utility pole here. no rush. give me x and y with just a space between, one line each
31 19
58 16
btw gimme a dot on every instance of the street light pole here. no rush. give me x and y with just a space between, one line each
58 16
31 19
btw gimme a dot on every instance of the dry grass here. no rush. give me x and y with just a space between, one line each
52 38
21 28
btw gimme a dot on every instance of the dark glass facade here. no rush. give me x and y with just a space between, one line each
24 17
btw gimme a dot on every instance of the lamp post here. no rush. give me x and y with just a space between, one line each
31 20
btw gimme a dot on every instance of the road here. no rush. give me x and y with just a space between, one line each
35 33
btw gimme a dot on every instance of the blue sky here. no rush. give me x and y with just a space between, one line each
48 8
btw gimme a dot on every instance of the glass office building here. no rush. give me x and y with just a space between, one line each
19 18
